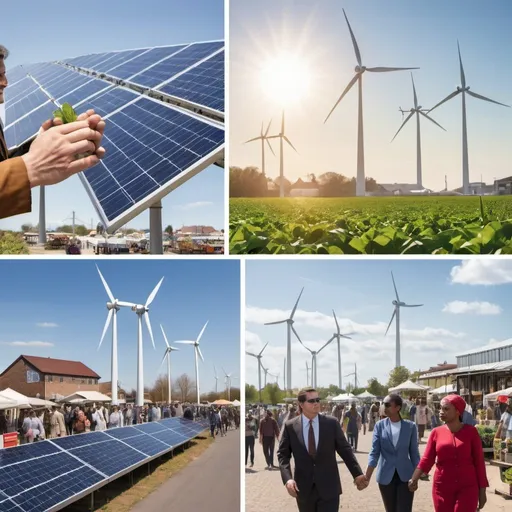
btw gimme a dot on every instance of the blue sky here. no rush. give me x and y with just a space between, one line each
58 29
391 33
63 304
466 305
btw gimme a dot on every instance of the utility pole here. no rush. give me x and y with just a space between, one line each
73 226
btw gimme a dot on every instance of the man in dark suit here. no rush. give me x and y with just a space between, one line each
314 440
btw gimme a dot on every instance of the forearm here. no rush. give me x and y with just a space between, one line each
416 475
15 195
369 471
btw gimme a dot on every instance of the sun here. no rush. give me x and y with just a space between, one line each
285 78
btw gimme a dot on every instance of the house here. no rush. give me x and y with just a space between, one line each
403 189
503 186
437 376
304 189
194 230
106 389
48 378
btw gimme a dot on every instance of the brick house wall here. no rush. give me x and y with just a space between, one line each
48 385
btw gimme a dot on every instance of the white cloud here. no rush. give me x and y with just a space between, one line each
482 272
459 307
28 343
192 206
46 324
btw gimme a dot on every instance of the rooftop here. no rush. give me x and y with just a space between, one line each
51 366
485 348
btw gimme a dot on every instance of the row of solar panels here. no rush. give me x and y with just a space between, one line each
152 147
51 474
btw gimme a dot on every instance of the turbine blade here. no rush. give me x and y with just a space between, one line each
325 345
349 86
186 342
261 129
336 320
296 304
202 331
107 289
414 92
215 371
250 354
268 127
448 98
163 359
107 323
263 348
151 298
394 286
148 323
381 69
480 97
403 124
430 119
410 305
126 304
389 325
288 140
270 147
200 354
354 42
298 337
275 323
345 336
172 348
462 75
165 337
252 140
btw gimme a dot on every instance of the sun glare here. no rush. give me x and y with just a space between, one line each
285 78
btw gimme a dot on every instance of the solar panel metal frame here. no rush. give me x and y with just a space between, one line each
162 191
106 479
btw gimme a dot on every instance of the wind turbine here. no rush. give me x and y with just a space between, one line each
228 382
358 77
419 111
290 328
313 353
282 137
263 137
265 370
464 89
307 374
284 374
396 312
260 366
337 335
142 311
354 374
167 355
197 352
113 307
216 378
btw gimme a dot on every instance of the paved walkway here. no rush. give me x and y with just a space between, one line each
213 478
264 489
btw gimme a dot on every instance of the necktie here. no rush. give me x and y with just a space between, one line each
311 440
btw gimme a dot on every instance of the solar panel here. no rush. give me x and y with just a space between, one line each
170 438
8 506
150 428
124 433
24 129
76 441
147 444
15 74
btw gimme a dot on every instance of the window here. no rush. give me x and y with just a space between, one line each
83 381
49 378
90 381
33 376
61 379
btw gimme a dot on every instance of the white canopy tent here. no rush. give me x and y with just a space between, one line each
7 403
496 394
25 402
408 385
86 396
444 390
366 394
344 397
236 403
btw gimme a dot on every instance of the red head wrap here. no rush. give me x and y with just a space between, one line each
457 401
503 399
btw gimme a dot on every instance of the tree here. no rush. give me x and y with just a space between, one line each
159 391
169 230
397 376
334 390
12 243
27 228
185 387
376 388
99 228
349 388
251 394
272 394
415 375
248 182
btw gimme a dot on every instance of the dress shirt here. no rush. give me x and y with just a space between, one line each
305 429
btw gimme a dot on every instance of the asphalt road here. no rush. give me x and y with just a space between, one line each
213 478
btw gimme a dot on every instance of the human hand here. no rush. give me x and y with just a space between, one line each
482 499
291 487
413 485
51 158
361 482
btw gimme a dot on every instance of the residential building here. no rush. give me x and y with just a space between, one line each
437 376
304 189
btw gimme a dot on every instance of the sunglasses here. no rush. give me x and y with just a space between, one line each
313 400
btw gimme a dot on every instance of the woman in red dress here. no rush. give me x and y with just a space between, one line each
456 449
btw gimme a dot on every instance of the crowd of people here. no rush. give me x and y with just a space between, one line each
398 427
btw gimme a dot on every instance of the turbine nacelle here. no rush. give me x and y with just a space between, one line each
360 69
140 309
113 305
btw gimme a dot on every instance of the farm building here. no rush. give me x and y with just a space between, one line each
503 186
48 378
304 189
402 189
437 376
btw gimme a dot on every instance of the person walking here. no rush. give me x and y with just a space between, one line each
251 429
269 432
353 425
460 480
395 454
374 416
313 440
422 417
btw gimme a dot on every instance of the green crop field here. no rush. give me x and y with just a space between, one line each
372 225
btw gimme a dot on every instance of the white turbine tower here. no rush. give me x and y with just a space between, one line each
464 89
358 77
419 111
167 355
337 335
260 366
142 311
263 137
216 378
396 312
314 353
290 328
228 377
265 370
113 307
197 352
282 137
307 374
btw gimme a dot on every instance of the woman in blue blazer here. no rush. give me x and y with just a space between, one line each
395 454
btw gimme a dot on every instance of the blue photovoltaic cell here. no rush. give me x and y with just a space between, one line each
117 59
123 433
80 95
77 440
143 61
166 69
52 493
8 506
105 103
24 106
203 84
61 81
110 457
25 452
170 437
89 61
15 74
28 126
147 145
19 90
147 444
149 428
17 478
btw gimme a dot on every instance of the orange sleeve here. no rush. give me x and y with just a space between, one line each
15 195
